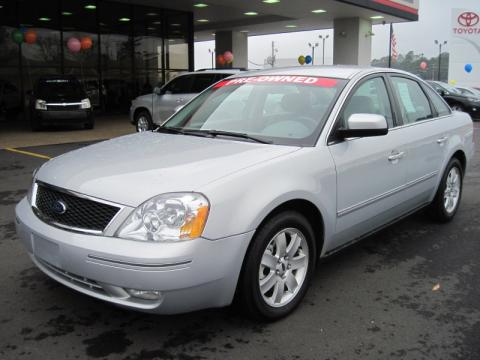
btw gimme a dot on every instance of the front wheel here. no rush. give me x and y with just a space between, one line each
447 199
143 121
278 266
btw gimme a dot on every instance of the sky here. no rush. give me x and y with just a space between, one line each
434 24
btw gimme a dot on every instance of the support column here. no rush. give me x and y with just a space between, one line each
237 43
352 41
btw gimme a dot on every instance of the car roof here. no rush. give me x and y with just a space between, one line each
333 71
214 71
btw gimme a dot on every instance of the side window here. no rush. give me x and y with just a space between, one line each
371 97
414 104
440 105
202 81
179 85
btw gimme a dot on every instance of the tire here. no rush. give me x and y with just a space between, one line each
458 107
263 303
143 121
90 125
441 209
35 123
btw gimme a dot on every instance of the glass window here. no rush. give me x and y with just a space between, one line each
371 97
115 30
147 39
8 25
440 105
203 81
414 104
146 80
238 105
40 19
180 85
177 41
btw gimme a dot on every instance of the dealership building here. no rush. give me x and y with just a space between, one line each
120 49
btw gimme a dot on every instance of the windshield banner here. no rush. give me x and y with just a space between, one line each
284 79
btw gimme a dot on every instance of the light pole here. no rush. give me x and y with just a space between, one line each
323 38
313 46
213 56
440 44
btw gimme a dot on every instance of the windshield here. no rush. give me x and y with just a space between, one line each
62 88
287 110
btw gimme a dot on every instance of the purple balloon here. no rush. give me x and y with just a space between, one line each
74 45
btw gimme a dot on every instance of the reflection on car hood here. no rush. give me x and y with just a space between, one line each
133 168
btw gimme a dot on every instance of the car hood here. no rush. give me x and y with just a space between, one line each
131 169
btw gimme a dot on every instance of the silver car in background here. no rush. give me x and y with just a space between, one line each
245 188
151 110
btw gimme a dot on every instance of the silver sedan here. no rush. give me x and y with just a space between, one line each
242 191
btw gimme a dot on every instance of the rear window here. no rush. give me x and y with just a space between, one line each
289 110
60 87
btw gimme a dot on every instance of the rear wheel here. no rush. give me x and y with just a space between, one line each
143 121
278 267
449 193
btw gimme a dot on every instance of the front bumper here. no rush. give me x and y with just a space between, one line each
63 116
190 275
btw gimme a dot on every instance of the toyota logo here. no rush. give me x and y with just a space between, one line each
59 207
468 19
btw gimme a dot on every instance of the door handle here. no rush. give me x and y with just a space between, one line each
442 140
394 157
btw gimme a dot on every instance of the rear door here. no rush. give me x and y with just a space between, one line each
371 171
428 138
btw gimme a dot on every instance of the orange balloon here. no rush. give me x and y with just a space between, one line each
30 37
86 42
221 60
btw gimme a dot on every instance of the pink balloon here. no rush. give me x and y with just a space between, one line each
423 65
74 45
228 56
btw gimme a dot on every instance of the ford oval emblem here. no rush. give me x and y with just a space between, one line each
59 207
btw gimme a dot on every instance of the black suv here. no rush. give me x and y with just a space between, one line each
60 100
456 100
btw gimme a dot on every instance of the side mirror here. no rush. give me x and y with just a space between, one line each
364 125
157 90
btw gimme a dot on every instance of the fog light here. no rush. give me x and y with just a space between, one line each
145 294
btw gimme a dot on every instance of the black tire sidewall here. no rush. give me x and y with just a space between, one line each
147 115
250 289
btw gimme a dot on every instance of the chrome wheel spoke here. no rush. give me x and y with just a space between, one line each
298 262
291 282
268 282
269 261
281 242
278 291
293 245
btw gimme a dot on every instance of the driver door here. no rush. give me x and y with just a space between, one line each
173 94
371 171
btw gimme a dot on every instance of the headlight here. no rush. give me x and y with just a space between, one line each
40 104
85 104
167 217
30 190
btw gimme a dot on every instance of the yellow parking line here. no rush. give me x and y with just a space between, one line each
28 153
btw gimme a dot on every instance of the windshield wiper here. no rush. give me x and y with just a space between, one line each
215 133
170 130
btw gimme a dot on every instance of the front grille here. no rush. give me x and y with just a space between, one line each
73 278
63 107
74 211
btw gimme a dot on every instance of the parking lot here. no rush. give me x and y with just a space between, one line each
409 292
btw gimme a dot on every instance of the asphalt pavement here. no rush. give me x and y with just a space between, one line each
411 291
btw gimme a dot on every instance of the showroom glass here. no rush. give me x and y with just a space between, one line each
280 112
176 41
371 97
440 105
414 104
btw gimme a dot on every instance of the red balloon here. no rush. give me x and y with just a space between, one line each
30 37
423 65
86 43
220 60
228 56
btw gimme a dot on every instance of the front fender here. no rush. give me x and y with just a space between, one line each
241 201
